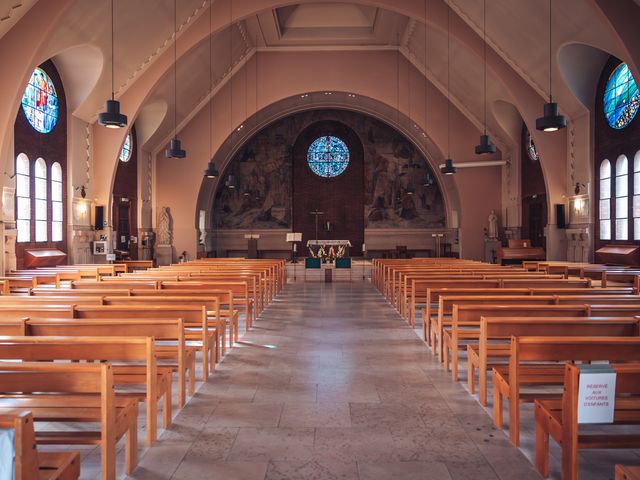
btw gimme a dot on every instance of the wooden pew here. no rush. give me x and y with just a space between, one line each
31 464
494 330
13 326
42 300
115 284
156 381
77 292
195 321
627 472
533 362
433 297
73 392
558 418
180 356
468 316
211 305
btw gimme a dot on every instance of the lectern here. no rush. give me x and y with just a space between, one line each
252 245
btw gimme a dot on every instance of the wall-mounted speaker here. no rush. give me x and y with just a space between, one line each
99 217
560 217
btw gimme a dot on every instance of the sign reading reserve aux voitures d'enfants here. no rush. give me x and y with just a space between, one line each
596 394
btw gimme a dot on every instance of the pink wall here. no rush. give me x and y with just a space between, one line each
371 74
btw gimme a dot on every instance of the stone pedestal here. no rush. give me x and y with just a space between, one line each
491 246
164 255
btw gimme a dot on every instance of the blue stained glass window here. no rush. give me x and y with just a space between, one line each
125 152
328 156
621 97
40 102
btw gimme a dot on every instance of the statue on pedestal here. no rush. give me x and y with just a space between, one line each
164 227
492 231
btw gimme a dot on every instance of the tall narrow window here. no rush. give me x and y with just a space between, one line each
622 198
636 196
605 200
23 198
56 202
41 200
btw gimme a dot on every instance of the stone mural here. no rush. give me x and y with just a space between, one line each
400 188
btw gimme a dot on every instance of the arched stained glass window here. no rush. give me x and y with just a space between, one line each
125 152
621 97
40 102
41 200
56 202
636 196
622 198
23 198
531 148
328 156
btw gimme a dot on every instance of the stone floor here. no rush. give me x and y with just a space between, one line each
332 384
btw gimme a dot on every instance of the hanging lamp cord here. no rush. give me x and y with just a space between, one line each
113 76
210 79
175 69
448 82
550 53
484 39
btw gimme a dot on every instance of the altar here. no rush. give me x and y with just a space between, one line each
328 250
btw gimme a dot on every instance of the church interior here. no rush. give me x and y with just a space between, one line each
317 239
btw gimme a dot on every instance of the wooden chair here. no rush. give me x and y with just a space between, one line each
31 464
558 419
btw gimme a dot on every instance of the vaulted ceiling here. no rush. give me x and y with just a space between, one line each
517 30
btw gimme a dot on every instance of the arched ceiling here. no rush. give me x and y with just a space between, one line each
517 31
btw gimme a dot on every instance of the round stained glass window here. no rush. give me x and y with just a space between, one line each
40 102
125 152
621 97
328 156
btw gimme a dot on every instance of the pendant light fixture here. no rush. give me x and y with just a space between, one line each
175 149
449 168
211 171
551 121
485 143
112 118
231 182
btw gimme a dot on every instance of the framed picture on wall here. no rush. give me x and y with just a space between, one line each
579 209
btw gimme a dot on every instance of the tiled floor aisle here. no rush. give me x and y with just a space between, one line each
332 384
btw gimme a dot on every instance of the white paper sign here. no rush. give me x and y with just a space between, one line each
111 257
596 394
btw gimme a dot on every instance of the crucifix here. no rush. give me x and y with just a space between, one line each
316 213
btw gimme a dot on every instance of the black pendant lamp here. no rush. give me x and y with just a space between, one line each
212 170
485 143
448 168
112 118
231 182
551 121
175 149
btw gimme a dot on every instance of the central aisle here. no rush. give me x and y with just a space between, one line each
332 384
